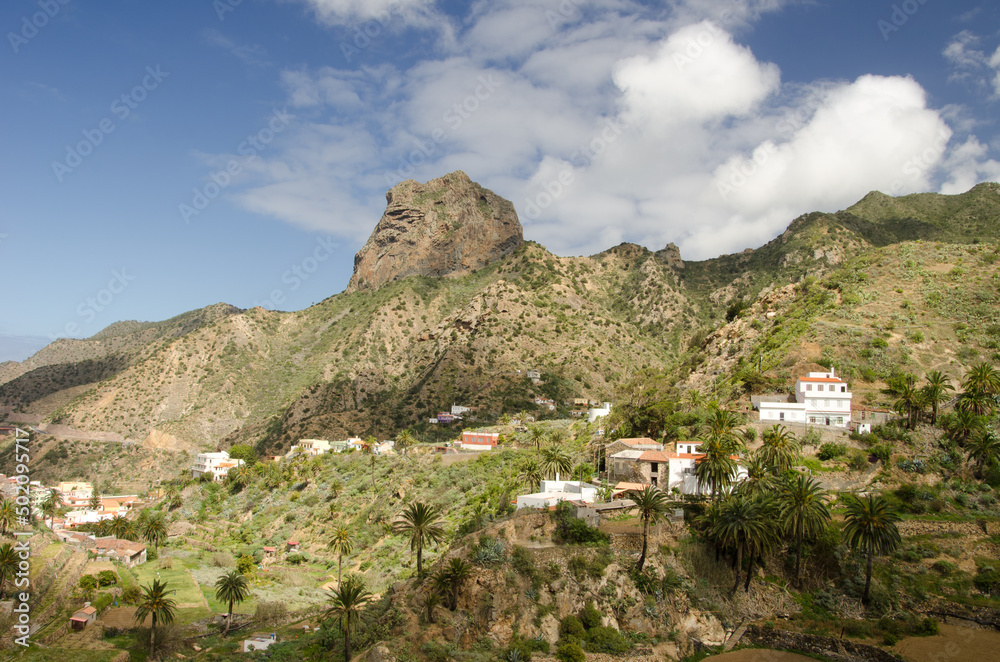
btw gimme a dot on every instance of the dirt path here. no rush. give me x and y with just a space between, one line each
954 644
758 655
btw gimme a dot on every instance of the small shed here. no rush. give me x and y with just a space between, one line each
291 546
81 618
269 552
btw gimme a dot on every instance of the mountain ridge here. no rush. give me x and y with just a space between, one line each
377 359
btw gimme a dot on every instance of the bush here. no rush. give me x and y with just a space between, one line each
131 595
882 452
570 652
570 626
523 562
831 451
857 461
88 582
906 492
270 614
590 617
606 640
571 530
246 564
987 581
107 578
294 559
912 466
944 568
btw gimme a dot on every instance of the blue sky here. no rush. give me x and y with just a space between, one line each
160 157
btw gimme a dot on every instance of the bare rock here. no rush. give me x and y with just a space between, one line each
449 226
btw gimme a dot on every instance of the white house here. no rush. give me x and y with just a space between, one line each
595 413
554 491
216 464
310 447
665 470
821 398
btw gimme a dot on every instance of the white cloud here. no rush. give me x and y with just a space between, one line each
699 73
347 12
968 165
616 124
971 64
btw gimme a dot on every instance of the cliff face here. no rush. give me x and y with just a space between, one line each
449 226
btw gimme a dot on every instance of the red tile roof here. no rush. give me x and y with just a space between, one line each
637 441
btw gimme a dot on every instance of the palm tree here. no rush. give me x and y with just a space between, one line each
981 384
716 469
346 604
803 513
555 461
421 522
962 425
936 391
652 506
741 525
120 527
451 577
767 539
530 473
8 565
240 477
341 543
155 603
780 448
536 435
721 424
984 450
870 526
432 600
404 440
51 506
8 515
759 480
982 377
908 400
153 530
370 443
231 588
95 502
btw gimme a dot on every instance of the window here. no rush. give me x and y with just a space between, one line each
809 387
843 389
781 416
840 420
819 387
654 468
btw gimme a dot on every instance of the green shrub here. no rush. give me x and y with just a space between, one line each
88 582
589 616
858 461
603 639
294 559
882 452
944 568
987 581
906 492
523 562
107 578
831 451
246 564
570 652
570 626
131 595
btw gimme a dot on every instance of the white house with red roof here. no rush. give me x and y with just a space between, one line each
664 469
821 398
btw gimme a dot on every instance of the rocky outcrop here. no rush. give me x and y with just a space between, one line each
449 226
829 648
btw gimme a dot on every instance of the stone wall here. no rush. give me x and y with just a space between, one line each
840 650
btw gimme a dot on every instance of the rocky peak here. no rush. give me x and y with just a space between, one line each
671 255
450 226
